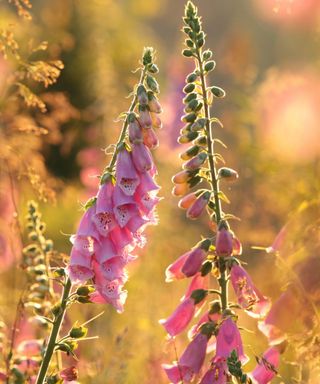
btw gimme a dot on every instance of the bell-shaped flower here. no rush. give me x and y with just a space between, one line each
195 258
281 317
190 362
180 318
249 297
141 157
217 373
126 174
150 139
108 291
224 241
125 207
229 339
196 209
80 267
187 200
267 366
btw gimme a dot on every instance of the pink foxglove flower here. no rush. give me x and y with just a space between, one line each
195 258
280 317
229 339
196 209
126 174
180 318
224 242
190 362
187 200
217 373
113 225
267 366
141 157
249 297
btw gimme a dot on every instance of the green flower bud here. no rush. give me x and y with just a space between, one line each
84 290
218 92
199 295
152 84
189 88
190 97
206 268
78 332
187 53
209 66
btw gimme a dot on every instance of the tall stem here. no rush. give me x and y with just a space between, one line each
125 125
223 282
67 288
54 333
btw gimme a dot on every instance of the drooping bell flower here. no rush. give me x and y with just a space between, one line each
69 374
187 200
173 272
281 317
126 174
103 218
217 373
180 189
180 318
278 241
198 282
145 118
249 297
108 292
195 258
154 105
229 339
156 121
224 241
125 207
181 177
135 131
267 366
190 362
196 209
213 315
141 157
80 267
150 138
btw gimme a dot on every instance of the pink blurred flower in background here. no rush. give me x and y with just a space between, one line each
289 12
287 114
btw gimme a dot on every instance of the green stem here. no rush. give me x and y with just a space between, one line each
54 334
214 179
123 132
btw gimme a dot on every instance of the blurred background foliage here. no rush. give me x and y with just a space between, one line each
268 61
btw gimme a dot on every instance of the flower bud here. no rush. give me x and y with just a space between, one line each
209 66
227 174
218 92
190 152
78 332
187 200
196 161
187 138
152 84
199 295
189 88
150 138
192 76
189 118
141 157
199 124
84 290
224 241
154 105
198 206
156 121
142 95
206 268
180 189
201 141
144 117
135 133
181 177
190 97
